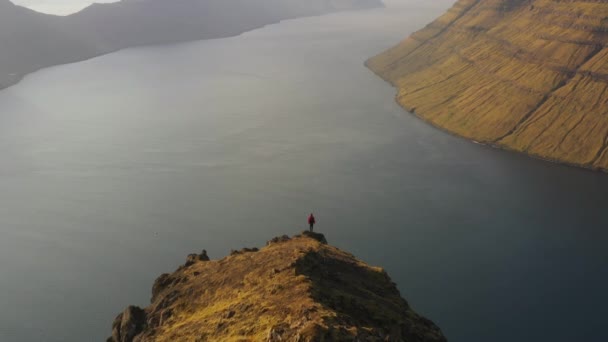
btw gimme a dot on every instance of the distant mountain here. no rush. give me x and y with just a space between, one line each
31 40
525 75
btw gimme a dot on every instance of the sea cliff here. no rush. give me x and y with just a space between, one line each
523 75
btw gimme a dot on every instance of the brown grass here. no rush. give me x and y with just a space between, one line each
530 76
300 289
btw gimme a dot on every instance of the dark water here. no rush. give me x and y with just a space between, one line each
116 168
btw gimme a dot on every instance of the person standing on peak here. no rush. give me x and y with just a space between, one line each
311 221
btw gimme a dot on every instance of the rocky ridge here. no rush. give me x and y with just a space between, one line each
293 289
524 75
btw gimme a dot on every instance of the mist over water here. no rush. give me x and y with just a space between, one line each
116 168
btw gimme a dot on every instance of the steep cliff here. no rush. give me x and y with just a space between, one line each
294 289
525 75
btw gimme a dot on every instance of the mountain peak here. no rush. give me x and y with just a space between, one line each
297 288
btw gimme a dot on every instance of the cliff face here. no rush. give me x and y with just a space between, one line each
294 289
526 75
32 40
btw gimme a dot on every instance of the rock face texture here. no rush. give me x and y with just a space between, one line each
30 40
525 75
294 289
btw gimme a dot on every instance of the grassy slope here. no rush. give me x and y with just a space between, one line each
298 287
526 75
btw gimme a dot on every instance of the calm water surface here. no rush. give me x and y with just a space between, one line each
114 169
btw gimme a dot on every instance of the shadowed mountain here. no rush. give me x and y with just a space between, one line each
524 75
30 40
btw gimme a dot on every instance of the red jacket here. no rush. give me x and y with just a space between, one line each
311 219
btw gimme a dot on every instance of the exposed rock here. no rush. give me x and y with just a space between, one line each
128 324
316 236
278 239
525 75
299 289
193 258
160 284
278 333
229 314
244 250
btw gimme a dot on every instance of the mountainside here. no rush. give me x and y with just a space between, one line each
30 40
143 22
525 75
294 289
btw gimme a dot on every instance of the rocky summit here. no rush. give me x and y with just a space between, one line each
293 289
525 75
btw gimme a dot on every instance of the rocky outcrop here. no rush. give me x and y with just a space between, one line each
293 289
128 324
315 236
525 75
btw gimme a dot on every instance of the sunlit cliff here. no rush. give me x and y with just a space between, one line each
525 75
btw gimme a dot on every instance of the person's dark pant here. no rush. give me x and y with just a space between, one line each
311 226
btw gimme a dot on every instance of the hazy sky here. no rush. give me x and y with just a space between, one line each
61 7
64 7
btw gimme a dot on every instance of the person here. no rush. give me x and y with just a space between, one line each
311 221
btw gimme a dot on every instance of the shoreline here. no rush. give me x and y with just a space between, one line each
500 147
20 77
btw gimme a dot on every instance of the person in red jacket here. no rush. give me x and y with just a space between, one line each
311 221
